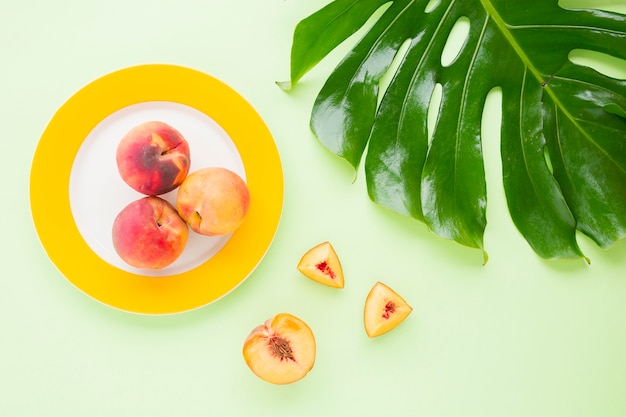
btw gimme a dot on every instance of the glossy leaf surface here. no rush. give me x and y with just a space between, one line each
563 128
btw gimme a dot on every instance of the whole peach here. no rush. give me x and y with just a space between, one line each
148 233
153 158
213 201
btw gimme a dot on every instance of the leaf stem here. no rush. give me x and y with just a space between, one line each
504 29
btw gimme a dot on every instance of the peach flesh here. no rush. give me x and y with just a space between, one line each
384 310
280 351
153 158
326 270
148 233
389 309
321 264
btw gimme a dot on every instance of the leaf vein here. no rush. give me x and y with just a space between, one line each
420 64
464 96
576 121
373 47
567 27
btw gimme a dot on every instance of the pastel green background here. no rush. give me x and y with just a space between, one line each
517 337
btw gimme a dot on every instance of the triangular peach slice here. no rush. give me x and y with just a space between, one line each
321 264
384 310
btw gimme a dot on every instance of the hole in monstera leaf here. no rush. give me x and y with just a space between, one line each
490 133
432 5
546 156
385 80
609 5
603 63
456 40
433 111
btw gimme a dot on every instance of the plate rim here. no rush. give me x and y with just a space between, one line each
50 200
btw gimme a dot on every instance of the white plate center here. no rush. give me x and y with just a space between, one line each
98 193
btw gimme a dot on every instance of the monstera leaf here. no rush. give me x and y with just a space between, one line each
563 127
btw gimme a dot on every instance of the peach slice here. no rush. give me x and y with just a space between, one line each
384 310
280 351
321 264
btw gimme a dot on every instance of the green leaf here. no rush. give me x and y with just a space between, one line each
338 21
563 130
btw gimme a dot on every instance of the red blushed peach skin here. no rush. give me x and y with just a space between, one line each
153 158
384 310
213 201
280 351
148 233
321 264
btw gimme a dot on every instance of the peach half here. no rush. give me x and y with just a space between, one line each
148 233
153 158
384 310
280 351
214 201
321 264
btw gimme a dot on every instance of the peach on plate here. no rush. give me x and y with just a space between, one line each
214 201
153 158
280 351
148 233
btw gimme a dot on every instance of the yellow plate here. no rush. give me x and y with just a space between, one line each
133 291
